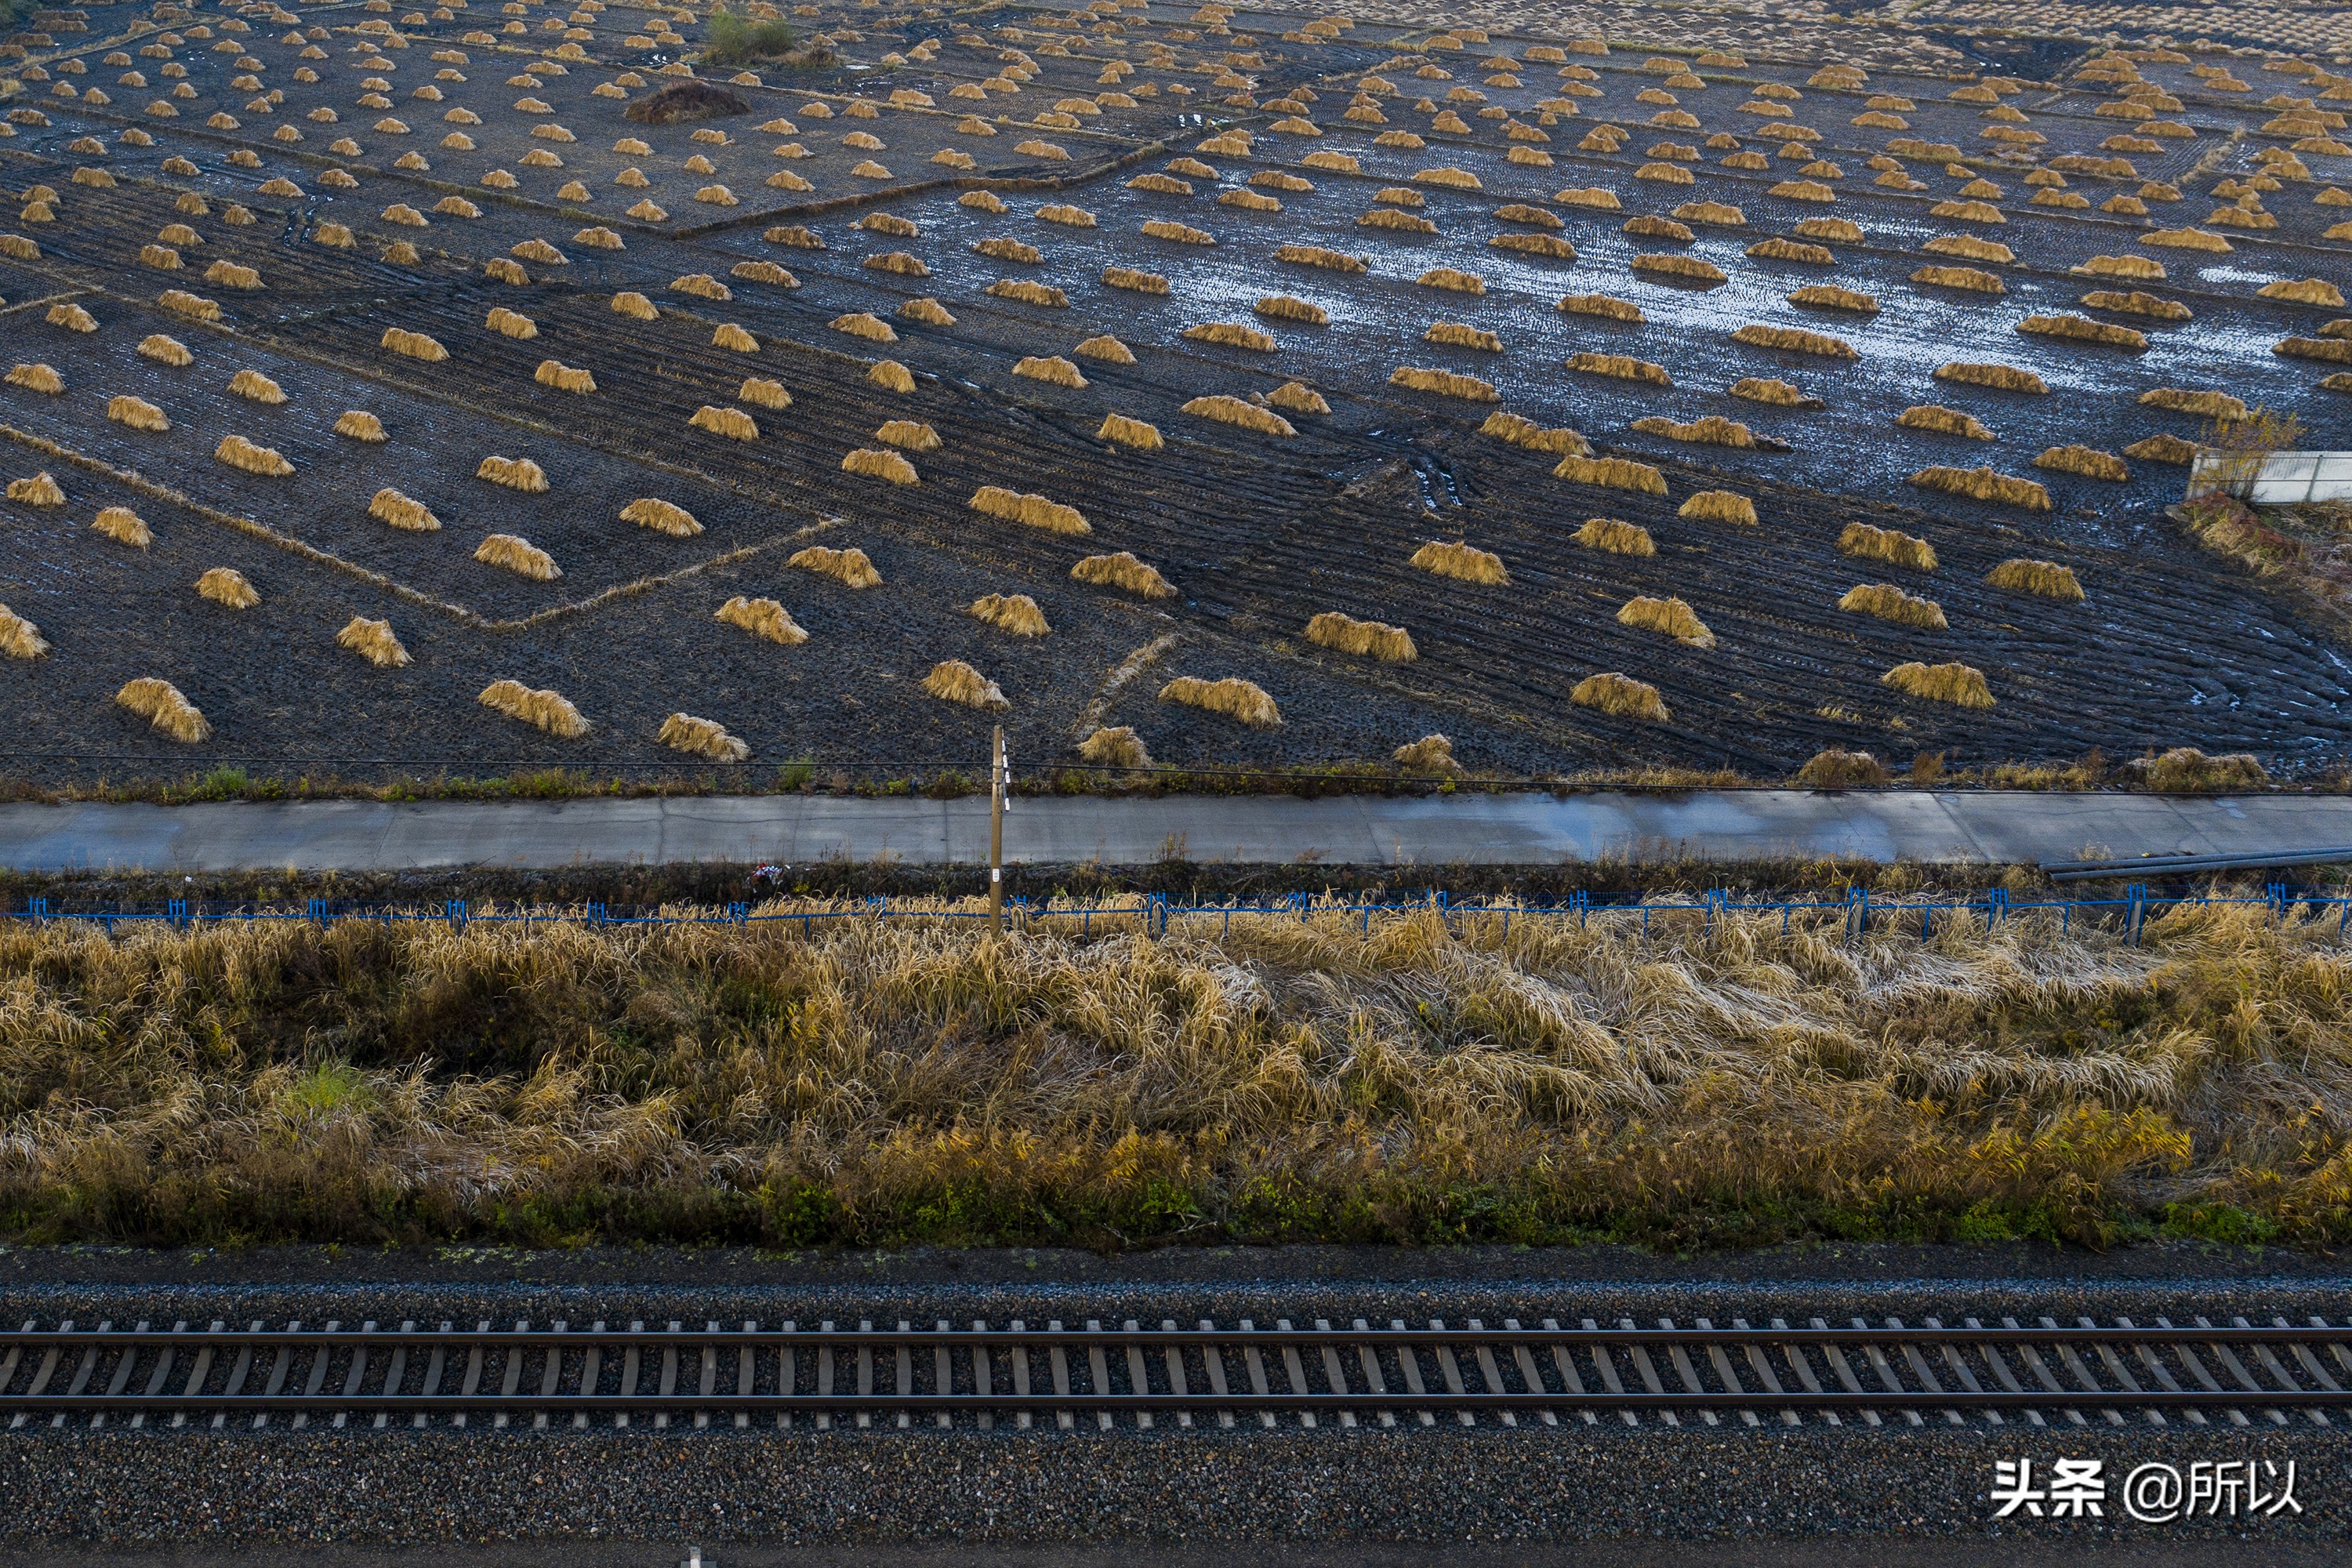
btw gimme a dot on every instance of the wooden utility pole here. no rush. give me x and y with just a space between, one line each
997 780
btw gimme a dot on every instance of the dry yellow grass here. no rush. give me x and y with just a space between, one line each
1838 768
953 681
1604 305
1054 370
1889 602
1713 430
1794 339
20 638
1520 431
2021 574
1888 545
1376 639
1124 572
239 452
1229 410
1034 511
541 709
1233 697
1620 695
137 413
1611 473
2082 329
1319 256
1960 683
1464 562
662 516
161 704
1617 537
123 526
2000 377
1719 506
374 641
1626 367
389 506
1014 613
1431 753
2085 460
227 587
762 618
413 345
511 552
1675 618
701 738
880 463
1942 421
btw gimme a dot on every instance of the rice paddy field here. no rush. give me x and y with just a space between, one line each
494 386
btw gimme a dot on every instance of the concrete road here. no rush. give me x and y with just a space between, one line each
1528 829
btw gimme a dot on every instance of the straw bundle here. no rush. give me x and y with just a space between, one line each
2000 377
358 425
1444 383
1181 233
1449 278
953 681
2138 304
1014 613
891 377
1719 506
1319 255
38 491
1715 213
1107 349
1887 544
413 345
1889 602
1377 639
1161 185
1623 366
1028 293
1837 230
899 263
1591 196
1650 226
1397 222
230 275
1520 431
875 463
500 270
1124 572
252 384
1232 334
515 473
1960 683
2085 460
2021 574
20 638
225 585
163 257
157 346
564 377
1228 410
1128 432
389 506
1297 397
762 618
1672 616
1284 307
2163 448
1792 250
2121 266
1685 267
1620 695
763 272
1839 768
239 452
123 526
1795 340
850 568
662 516
1548 246
1052 369
1004 249
518 556
374 641
1062 212
1611 473
1779 393
2329 350
1336 163
1829 296
41 378
1135 280
703 286
701 738
638 308
1116 747
17 248
544 710
1466 563
1942 421
1616 537
1606 305
161 704
2082 329
1968 278
994 501
1236 698
732 423
71 316
1983 484
1969 247
909 435
511 323
1713 430
137 413
1665 173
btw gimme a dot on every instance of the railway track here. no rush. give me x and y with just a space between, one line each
1089 1375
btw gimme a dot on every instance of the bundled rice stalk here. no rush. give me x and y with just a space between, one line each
1943 421
137 413
374 641
701 738
230 275
180 303
1520 431
1035 510
762 618
1983 484
908 435
1062 212
1377 639
20 638
2185 770
1118 746
413 345
1028 293
2138 304
2163 448
564 377
1319 255
1014 613
161 704
850 568
1452 279
732 423
1650 226
1623 366
2187 239
1466 563
2205 404
1779 393
72 317
1961 683
1968 278
1237 699
662 516
953 681
1672 616
513 553
514 473
252 384
239 452
38 491
541 709
2021 574
928 311
1181 233
123 526
1616 537
227 586
2121 266
1297 397
1829 296
38 378
1127 432
1284 307
899 262
1135 281
1837 230
1611 473
1607 305
1456 335
638 307
1719 506
1888 545
1228 410
1889 602
1776 249
1683 267
358 425
2088 461
389 506
1444 383
891 377
1713 430
1054 370
1397 222
763 272
763 394
1124 572
2304 292
2000 377
880 463
511 323
2081 329
1756 335
1620 695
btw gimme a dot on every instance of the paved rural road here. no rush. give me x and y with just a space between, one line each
1521 830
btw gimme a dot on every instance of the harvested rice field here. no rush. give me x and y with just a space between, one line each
643 409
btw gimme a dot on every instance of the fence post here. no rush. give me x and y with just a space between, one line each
1581 903
319 911
1996 905
738 914
175 911
2276 893
455 911
40 911
1857 912
2137 916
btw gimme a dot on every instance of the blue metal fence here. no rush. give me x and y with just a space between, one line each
1858 912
